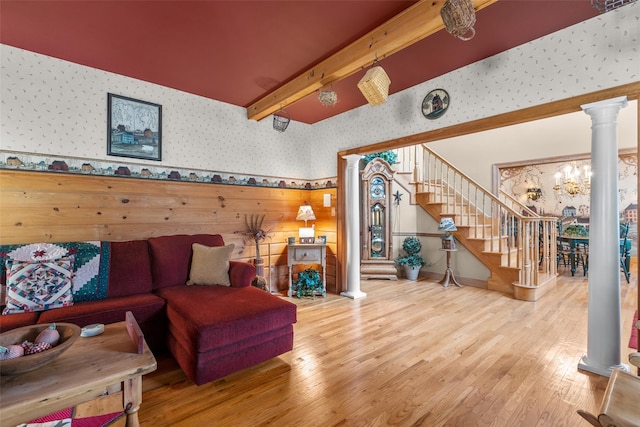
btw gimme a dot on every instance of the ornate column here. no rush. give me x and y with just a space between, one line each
352 226
604 312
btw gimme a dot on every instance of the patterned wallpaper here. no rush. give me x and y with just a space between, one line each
593 55
516 180
52 107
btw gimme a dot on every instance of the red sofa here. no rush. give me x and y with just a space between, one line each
210 330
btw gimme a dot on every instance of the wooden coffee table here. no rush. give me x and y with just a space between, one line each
90 368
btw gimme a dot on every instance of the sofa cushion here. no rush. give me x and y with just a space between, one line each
171 257
91 266
145 307
204 367
12 321
210 265
130 268
38 285
209 317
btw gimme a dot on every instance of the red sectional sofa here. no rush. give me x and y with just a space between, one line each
210 330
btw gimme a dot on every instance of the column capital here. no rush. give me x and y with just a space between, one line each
352 158
606 110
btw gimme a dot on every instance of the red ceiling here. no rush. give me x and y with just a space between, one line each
237 51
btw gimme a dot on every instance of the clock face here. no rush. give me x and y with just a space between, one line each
377 189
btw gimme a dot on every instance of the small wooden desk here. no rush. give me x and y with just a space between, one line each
82 373
307 253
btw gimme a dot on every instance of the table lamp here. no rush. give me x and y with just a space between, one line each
447 225
305 213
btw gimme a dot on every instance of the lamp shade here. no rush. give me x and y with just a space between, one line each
447 224
305 213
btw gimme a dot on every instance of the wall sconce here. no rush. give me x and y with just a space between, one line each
306 234
281 120
447 225
534 193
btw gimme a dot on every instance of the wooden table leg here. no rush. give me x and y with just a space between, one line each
448 275
132 400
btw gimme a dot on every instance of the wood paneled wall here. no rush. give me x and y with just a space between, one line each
55 207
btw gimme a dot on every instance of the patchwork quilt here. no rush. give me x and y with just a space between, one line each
91 265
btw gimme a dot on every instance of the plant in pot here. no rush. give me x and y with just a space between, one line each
255 233
309 283
388 156
412 261
576 230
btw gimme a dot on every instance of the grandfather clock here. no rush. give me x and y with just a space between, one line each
376 258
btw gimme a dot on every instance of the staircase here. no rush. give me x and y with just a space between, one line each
514 243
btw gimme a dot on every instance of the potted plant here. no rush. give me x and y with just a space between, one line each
576 230
388 156
308 283
412 261
257 234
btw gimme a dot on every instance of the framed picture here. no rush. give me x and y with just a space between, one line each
134 128
435 104
448 243
305 240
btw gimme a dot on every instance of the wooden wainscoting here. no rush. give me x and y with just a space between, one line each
57 207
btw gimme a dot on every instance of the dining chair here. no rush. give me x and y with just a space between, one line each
625 250
582 257
563 253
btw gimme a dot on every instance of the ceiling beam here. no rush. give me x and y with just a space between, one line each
408 27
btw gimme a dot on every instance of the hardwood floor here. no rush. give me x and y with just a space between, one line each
409 354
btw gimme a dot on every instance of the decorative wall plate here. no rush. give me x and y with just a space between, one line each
435 104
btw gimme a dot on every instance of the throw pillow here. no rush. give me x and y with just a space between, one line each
91 264
210 265
39 285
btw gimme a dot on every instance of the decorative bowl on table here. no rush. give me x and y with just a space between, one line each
69 333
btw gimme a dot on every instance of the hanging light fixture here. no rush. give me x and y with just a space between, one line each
459 17
608 5
328 97
374 85
571 183
281 120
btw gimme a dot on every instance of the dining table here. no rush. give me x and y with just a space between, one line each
573 242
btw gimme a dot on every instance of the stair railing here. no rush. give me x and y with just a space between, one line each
526 240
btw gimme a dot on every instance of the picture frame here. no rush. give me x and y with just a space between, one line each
435 104
448 243
134 128
306 240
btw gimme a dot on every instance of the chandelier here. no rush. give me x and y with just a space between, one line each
572 182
